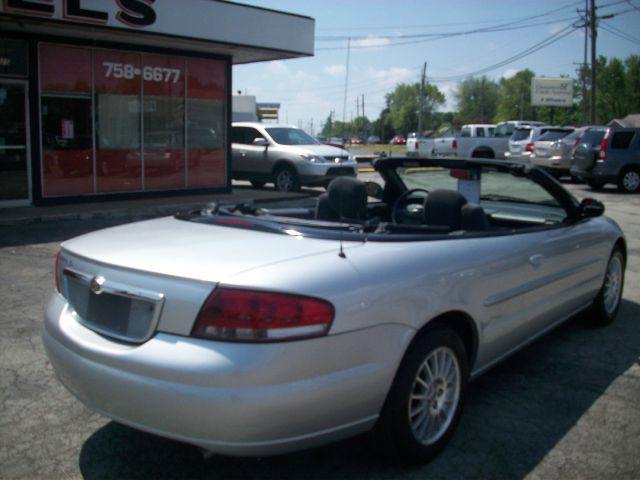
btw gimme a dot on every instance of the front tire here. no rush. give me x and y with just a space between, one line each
425 401
285 179
605 306
629 181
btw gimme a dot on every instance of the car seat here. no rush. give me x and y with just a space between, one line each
344 200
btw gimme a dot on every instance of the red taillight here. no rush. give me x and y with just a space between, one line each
58 272
454 144
417 144
575 144
529 147
237 315
604 144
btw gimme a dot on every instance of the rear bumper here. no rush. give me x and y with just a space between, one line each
230 398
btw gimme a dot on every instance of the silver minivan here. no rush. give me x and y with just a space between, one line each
286 156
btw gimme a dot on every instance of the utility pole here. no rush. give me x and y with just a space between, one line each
363 106
583 71
592 21
421 99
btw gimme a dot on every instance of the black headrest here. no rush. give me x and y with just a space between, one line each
346 199
444 207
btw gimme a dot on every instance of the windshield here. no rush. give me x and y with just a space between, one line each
291 136
593 136
520 134
553 135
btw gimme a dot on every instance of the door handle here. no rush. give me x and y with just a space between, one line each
536 260
243 154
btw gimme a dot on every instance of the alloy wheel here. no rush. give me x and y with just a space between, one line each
434 396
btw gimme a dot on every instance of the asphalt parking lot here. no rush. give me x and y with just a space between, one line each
565 407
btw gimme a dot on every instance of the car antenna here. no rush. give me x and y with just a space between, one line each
341 253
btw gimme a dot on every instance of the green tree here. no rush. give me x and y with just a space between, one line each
403 105
514 102
477 100
611 101
632 83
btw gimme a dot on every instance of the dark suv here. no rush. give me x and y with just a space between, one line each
617 160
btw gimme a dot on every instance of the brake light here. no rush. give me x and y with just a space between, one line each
454 144
237 315
417 144
603 145
575 144
529 147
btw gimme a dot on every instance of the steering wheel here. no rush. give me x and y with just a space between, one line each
403 200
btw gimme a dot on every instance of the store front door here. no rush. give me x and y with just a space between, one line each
14 144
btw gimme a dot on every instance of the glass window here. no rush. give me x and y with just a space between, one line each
621 140
520 134
206 87
153 122
290 136
480 132
164 163
67 137
118 87
593 136
13 57
553 135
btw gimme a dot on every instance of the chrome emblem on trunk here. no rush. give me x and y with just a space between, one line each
96 284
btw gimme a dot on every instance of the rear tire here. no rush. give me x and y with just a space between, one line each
285 179
605 306
629 180
423 407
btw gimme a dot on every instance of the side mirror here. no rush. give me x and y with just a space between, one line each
590 207
373 190
260 142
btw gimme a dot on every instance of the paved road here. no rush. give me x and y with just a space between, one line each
565 407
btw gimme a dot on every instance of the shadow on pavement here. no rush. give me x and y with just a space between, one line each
515 415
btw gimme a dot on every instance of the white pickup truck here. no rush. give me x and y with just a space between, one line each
418 146
479 141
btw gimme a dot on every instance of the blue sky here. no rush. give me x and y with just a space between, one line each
390 44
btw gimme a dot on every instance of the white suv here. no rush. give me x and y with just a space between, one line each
286 156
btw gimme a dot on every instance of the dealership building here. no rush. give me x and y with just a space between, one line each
126 98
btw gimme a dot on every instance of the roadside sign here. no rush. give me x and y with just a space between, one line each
551 92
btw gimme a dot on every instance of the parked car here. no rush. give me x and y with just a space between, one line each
286 156
552 151
616 160
373 139
420 146
480 146
521 143
398 140
448 146
254 331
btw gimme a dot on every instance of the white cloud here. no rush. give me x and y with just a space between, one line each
277 67
556 27
509 72
335 70
390 77
372 41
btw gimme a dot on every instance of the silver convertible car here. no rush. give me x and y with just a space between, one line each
253 331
